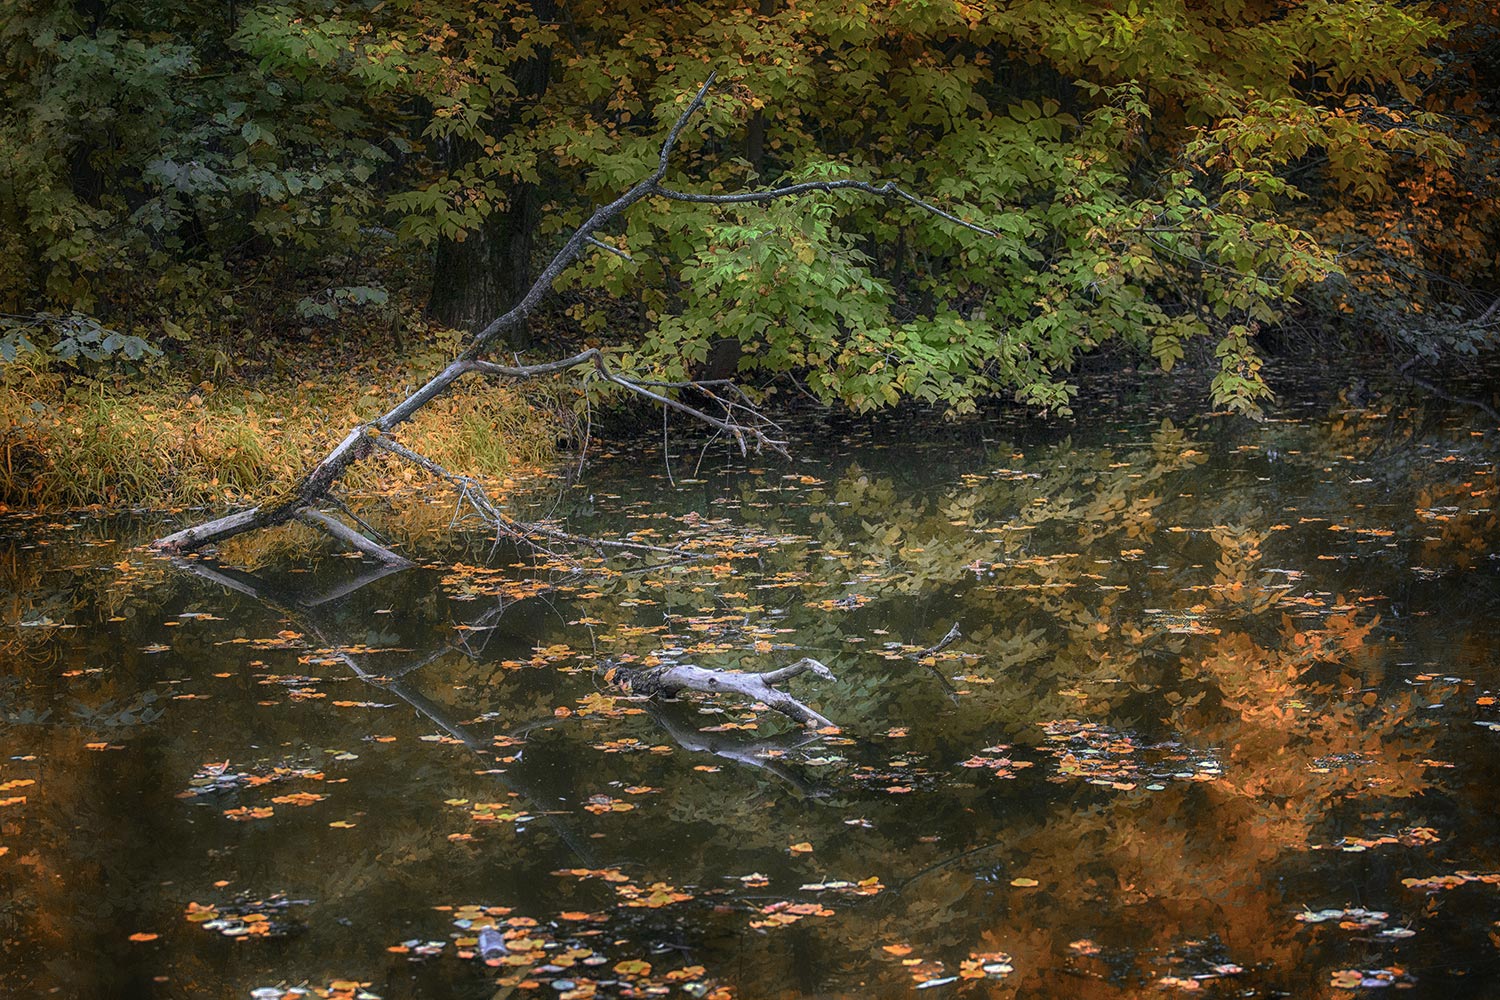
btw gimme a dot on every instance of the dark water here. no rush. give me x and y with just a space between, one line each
1222 720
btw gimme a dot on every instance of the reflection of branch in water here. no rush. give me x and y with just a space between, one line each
247 583
947 862
304 614
1441 393
953 636
749 753
919 658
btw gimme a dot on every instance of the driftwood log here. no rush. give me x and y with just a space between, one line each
670 679
717 403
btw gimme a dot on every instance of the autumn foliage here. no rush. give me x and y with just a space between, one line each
1170 179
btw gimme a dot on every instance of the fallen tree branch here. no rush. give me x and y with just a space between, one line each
953 636
671 679
341 531
472 492
736 416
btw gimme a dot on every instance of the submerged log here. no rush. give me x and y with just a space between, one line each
671 679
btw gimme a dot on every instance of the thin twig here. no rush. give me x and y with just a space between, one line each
596 242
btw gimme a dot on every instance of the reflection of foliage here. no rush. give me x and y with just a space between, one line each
136 711
1192 700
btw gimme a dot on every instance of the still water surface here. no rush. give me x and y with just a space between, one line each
1222 720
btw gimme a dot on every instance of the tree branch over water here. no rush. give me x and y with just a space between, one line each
725 408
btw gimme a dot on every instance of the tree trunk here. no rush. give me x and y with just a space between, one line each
489 271
755 132
482 277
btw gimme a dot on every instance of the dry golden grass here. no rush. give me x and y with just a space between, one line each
174 445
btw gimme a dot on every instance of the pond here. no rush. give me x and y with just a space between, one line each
1222 719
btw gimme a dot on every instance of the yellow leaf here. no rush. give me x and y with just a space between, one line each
633 967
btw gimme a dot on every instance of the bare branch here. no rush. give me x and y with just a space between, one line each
596 242
888 189
473 493
1484 317
953 636
575 244
341 531
736 417
920 657
802 666
755 427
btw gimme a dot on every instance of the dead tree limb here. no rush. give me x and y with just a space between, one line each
952 636
471 493
728 411
673 678
341 531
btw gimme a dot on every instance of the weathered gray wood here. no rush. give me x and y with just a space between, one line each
341 531
671 679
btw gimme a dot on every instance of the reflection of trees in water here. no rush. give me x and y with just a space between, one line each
1172 587
1286 678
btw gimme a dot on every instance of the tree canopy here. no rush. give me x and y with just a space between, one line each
1153 174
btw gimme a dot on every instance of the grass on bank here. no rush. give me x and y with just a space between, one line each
70 443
